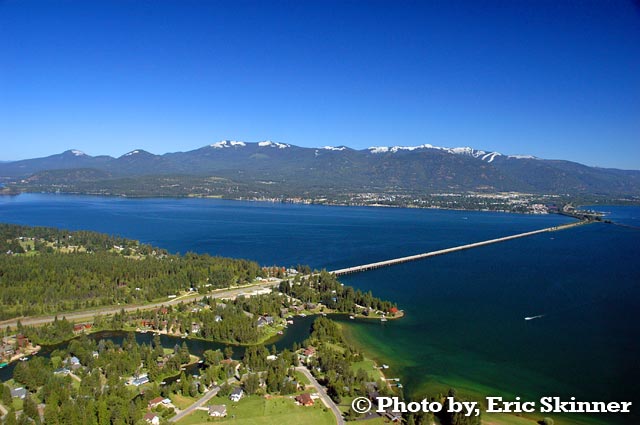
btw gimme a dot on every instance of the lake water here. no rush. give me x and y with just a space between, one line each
465 322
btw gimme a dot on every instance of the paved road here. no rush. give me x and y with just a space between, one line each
189 410
90 314
323 395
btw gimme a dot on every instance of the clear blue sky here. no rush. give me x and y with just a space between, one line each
555 79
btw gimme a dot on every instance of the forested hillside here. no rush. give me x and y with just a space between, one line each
46 271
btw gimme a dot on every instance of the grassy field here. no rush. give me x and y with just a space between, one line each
301 378
369 367
182 402
255 410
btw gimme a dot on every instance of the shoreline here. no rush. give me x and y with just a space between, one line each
611 202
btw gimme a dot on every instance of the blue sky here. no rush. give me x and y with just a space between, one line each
555 79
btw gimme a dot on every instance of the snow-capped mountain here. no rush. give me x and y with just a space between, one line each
422 168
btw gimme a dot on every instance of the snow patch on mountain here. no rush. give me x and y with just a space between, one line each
475 153
227 144
132 153
333 148
78 153
378 149
269 143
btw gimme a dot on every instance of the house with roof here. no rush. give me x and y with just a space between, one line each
141 380
305 399
236 394
152 418
156 402
63 371
265 320
20 393
218 410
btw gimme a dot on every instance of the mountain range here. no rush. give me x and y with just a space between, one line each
294 169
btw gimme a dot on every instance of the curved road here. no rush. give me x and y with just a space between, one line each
202 400
323 394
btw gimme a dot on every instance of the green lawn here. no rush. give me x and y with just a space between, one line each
182 402
256 410
301 378
369 367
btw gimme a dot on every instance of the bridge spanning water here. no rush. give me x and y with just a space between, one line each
392 262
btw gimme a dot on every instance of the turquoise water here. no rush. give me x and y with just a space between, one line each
465 311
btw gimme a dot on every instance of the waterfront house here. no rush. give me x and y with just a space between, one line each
265 320
21 341
218 410
81 327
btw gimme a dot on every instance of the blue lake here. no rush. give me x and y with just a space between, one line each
465 322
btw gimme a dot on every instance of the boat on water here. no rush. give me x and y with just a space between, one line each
3 364
351 317
383 319
534 317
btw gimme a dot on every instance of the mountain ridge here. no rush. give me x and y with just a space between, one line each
298 170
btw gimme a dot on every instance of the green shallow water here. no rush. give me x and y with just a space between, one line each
465 324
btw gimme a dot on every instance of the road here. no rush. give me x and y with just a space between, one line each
323 394
201 401
90 314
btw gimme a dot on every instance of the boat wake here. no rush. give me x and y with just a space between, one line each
534 317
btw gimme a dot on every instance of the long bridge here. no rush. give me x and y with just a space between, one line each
392 262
